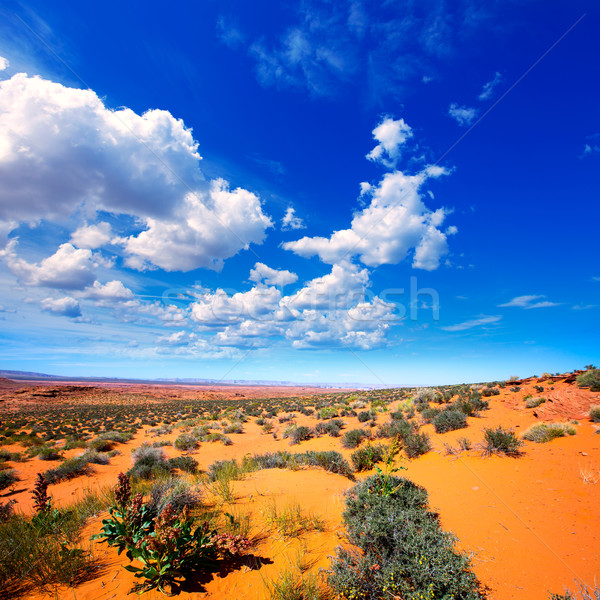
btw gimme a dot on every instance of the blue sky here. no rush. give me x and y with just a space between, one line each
312 191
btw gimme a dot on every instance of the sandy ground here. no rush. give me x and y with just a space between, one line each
531 523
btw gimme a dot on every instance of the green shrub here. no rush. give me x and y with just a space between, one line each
366 457
48 453
591 379
403 553
8 478
430 413
331 427
449 420
148 463
416 444
300 434
546 432
501 441
69 469
366 415
534 402
594 413
185 442
183 463
353 438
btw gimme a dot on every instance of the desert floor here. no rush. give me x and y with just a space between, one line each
531 523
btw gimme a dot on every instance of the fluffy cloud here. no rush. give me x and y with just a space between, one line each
364 326
258 303
203 232
262 273
92 236
339 289
391 135
291 221
478 322
463 115
527 302
69 268
113 291
62 150
65 307
3 63
396 222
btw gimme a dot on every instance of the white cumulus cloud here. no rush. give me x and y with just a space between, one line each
3 63
395 223
278 277
68 268
63 150
291 220
91 236
391 135
65 307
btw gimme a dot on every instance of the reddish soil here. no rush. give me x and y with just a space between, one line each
530 522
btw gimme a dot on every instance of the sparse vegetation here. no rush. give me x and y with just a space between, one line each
590 379
546 432
501 441
403 551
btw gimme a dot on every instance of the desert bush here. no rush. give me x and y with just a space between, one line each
96 458
69 469
5 455
591 379
8 478
585 593
429 413
366 415
176 492
148 463
183 463
331 427
396 428
301 434
546 432
328 412
594 413
48 453
501 441
366 457
416 444
449 420
235 427
353 438
403 553
185 442
534 402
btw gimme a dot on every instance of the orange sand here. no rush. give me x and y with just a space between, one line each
531 523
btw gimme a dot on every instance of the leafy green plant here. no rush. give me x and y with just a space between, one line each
594 413
501 441
449 420
416 444
8 478
353 438
591 379
402 551
546 432
534 402
366 457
